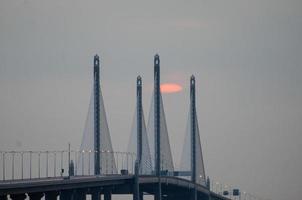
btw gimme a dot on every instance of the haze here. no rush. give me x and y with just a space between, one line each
246 56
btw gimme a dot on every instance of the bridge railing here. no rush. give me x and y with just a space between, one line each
15 165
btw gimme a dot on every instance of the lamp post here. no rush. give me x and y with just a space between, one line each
22 165
217 187
3 167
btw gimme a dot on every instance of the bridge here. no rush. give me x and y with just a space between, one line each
96 170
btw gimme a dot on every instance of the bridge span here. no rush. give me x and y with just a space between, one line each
78 187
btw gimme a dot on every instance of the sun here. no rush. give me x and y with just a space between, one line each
170 88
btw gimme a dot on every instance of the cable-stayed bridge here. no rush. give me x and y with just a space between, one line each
147 168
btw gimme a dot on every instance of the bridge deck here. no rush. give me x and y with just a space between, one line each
120 184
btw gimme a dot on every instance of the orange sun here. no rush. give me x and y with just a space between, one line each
170 88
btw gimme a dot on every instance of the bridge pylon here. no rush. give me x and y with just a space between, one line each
96 92
139 113
193 134
192 158
157 134
97 130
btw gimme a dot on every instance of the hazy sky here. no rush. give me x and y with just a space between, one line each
246 56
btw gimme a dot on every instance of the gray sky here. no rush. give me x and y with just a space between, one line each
246 56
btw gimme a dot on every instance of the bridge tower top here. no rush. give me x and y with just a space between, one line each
97 128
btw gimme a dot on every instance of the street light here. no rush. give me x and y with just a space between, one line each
3 168
89 152
244 194
217 187
22 165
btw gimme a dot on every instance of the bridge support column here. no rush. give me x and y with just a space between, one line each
107 195
169 197
3 197
51 195
79 195
96 195
158 194
35 196
203 197
136 192
66 195
141 196
193 194
17 196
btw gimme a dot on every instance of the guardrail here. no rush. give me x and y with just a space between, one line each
43 164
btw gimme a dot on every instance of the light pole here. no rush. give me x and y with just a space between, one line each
3 168
89 152
54 164
39 167
217 187
244 195
13 165
22 165
30 160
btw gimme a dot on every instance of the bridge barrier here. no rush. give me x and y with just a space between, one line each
15 165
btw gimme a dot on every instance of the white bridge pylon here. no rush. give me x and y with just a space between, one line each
107 160
165 148
186 161
148 156
146 163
